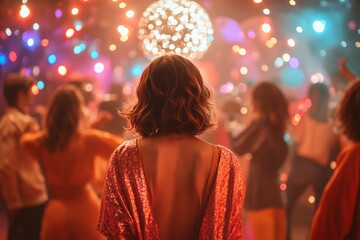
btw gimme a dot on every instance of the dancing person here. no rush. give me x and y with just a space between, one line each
21 181
66 152
316 146
345 70
263 138
338 214
169 184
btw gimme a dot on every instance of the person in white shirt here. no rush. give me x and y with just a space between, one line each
22 184
317 144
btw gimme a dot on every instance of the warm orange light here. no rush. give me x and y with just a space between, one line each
44 42
35 90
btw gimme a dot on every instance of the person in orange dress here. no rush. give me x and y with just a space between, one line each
66 152
338 214
169 184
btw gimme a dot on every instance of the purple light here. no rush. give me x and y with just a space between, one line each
58 13
252 34
294 62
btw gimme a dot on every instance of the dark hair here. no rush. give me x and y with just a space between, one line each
319 97
271 104
14 84
172 97
349 114
63 117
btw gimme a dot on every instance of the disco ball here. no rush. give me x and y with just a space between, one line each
175 26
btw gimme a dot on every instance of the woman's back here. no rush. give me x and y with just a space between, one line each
177 169
73 209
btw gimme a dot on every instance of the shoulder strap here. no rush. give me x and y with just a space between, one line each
210 182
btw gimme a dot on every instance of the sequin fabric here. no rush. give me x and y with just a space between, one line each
125 206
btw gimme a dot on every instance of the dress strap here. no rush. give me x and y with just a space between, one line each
209 184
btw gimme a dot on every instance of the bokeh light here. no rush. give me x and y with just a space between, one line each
52 59
62 70
99 67
24 11
319 26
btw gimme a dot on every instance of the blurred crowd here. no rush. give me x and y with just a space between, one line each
60 150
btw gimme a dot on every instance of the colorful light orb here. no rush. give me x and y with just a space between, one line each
175 26
317 78
24 11
36 26
122 5
44 42
99 67
251 34
244 70
52 59
291 42
12 56
299 29
2 59
8 32
279 62
36 71
130 14
77 49
74 11
78 25
31 39
286 57
124 38
136 70
242 51
266 11
229 29
352 25
227 88
123 30
319 26
112 47
40 84
294 62
266 28
264 68
35 90
292 2
62 70
69 32
58 13
94 54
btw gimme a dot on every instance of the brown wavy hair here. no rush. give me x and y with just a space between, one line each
172 98
272 105
349 112
63 117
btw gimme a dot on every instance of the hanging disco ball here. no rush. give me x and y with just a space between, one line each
175 26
